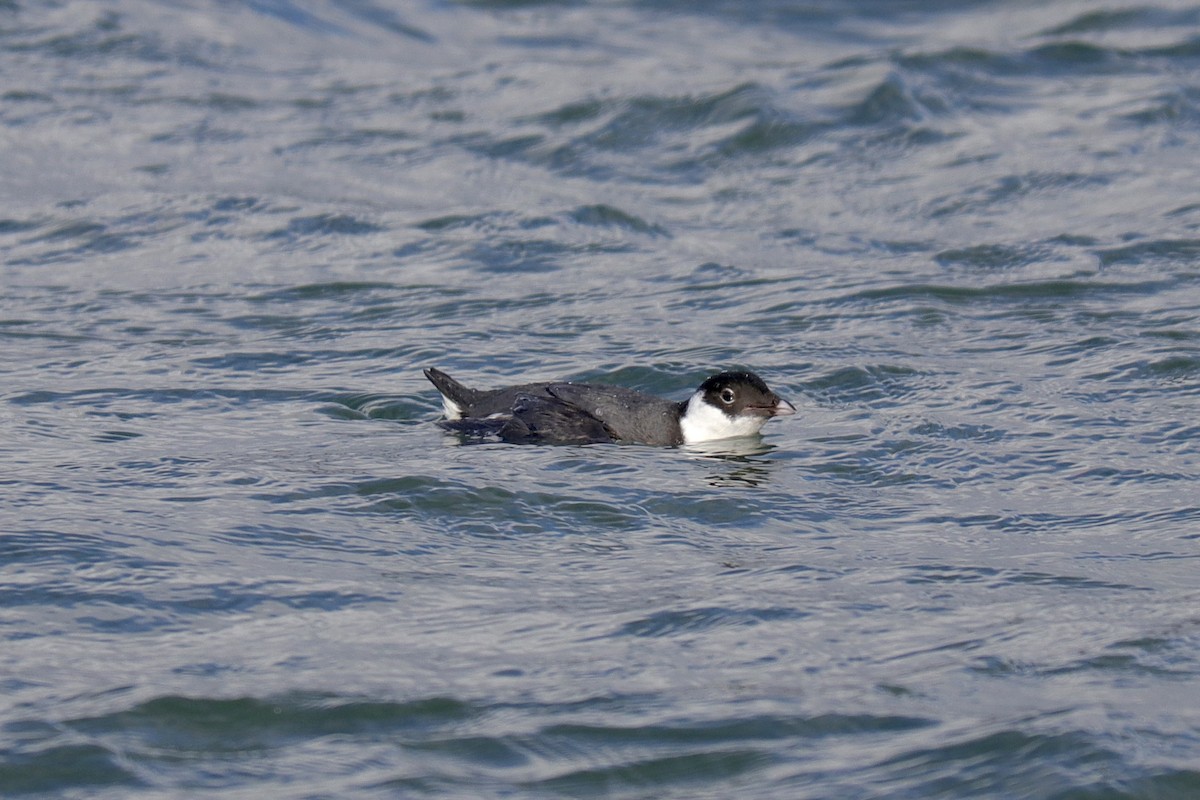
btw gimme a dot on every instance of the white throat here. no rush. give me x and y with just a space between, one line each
702 422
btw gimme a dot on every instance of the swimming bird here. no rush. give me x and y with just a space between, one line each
727 405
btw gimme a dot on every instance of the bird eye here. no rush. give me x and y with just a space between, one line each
727 396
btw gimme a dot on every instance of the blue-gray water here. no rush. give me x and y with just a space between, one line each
238 559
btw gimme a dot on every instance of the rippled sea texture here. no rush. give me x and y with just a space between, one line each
238 559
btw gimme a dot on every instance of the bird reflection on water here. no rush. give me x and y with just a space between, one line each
740 453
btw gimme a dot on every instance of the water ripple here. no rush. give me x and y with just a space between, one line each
239 557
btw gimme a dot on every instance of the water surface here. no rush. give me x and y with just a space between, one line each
237 558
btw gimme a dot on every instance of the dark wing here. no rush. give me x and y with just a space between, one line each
535 419
629 415
547 420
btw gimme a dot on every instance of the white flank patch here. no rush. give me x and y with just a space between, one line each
702 422
451 409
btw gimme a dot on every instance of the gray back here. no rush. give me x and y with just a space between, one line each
631 415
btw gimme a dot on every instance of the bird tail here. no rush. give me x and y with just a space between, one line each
456 398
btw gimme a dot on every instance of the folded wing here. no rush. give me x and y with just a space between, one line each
534 419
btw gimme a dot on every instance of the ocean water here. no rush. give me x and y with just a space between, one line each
238 559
